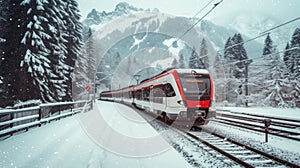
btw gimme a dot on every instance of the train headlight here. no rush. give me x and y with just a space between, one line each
201 113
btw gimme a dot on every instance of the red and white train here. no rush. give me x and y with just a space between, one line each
181 95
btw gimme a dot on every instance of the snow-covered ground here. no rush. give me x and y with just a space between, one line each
71 142
114 135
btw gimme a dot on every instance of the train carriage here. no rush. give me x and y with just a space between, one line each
181 95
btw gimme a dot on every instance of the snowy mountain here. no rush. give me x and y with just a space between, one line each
219 34
95 17
252 25
145 38
215 33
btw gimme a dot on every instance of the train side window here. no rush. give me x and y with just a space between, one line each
146 94
131 94
158 92
169 90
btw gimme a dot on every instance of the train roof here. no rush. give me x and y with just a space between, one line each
171 70
165 72
200 71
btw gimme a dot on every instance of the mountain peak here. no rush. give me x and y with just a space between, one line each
123 8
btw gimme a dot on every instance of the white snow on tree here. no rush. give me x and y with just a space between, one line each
276 82
37 59
181 63
196 61
235 62
175 63
294 54
204 53
218 71
36 53
85 67
73 36
292 62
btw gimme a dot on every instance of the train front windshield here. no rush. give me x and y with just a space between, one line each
195 86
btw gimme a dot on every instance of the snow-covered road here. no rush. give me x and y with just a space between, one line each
71 143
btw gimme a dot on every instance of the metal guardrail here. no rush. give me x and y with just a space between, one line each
282 127
15 120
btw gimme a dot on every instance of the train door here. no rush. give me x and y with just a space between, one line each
157 98
169 93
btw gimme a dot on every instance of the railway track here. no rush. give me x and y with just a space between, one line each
235 153
241 154
286 128
231 152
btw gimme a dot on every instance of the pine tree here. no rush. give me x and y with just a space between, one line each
286 56
240 55
35 56
293 64
294 92
73 37
116 61
229 81
80 80
204 53
277 85
294 61
195 61
267 50
219 78
4 10
229 57
236 61
175 63
268 57
85 68
218 67
228 52
181 61
18 83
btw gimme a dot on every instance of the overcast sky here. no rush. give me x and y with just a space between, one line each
283 10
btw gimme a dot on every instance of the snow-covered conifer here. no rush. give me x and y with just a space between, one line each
276 84
195 61
181 61
175 63
204 53
294 61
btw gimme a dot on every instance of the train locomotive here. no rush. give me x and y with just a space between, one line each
181 95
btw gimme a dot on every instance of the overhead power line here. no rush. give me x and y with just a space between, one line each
238 61
203 8
264 33
199 20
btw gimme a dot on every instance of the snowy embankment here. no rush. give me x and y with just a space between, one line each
59 144
278 146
